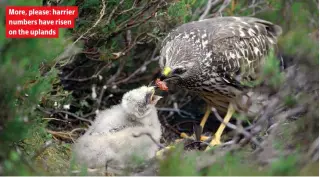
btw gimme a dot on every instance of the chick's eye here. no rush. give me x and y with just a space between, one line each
179 71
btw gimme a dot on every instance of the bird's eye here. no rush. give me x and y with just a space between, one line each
178 71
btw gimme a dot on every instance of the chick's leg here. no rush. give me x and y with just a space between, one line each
217 135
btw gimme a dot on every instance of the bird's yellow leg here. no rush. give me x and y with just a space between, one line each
184 135
205 117
217 135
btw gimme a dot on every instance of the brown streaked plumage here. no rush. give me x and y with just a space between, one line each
213 57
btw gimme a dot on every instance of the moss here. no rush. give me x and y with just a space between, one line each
54 160
311 169
178 165
284 166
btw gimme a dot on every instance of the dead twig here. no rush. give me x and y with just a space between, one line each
113 77
49 119
113 11
104 88
240 130
144 65
132 7
73 115
125 51
313 152
137 15
63 135
180 112
65 112
74 130
102 13
210 4
133 21
88 78
224 5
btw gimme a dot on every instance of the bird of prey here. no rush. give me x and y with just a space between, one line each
110 141
213 57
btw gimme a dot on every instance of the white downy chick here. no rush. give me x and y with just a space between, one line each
110 143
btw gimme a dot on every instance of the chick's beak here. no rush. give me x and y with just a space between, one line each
153 99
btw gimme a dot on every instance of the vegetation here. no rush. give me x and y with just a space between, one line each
51 89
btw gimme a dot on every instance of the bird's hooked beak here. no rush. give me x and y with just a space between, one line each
169 74
166 75
166 72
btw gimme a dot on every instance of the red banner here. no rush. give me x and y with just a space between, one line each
38 22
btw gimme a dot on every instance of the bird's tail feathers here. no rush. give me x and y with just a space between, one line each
272 29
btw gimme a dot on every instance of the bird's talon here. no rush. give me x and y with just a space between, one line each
184 135
214 142
204 138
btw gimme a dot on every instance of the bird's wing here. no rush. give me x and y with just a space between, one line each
224 27
239 46
234 47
